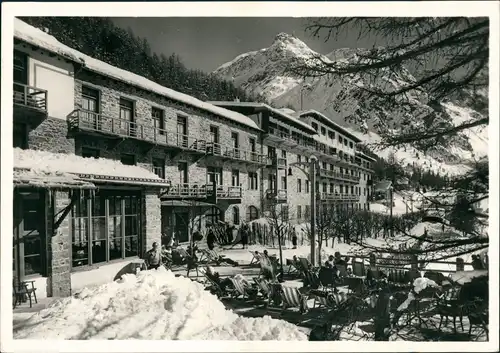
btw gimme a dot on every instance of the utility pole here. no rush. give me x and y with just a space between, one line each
392 223
278 215
312 176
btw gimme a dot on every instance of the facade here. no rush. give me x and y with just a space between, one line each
108 162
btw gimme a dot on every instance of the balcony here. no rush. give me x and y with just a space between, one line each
216 150
278 138
29 103
326 153
188 191
276 162
330 174
326 197
278 197
87 122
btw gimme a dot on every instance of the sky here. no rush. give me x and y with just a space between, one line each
206 43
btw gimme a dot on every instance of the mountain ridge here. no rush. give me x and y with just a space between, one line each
264 72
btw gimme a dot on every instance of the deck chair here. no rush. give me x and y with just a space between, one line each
311 279
323 299
292 298
293 266
256 257
241 289
190 262
210 256
306 264
213 286
263 285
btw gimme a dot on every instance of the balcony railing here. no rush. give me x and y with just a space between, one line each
338 197
273 160
229 192
31 97
217 149
189 191
92 121
291 139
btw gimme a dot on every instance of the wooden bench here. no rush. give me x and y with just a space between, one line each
23 291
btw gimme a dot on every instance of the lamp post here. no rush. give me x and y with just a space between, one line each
312 178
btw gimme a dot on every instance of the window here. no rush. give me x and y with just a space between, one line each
323 131
307 186
271 152
345 142
88 152
285 214
182 131
252 213
331 167
283 183
299 158
214 134
364 191
341 189
213 216
29 243
182 167
114 222
331 134
340 139
283 154
299 185
332 187
159 167
20 69
299 212
235 177
126 109
324 188
236 215
351 145
158 120
271 182
90 106
234 140
315 126
324 165
214 175
20 136
253 145
352 189
128 159
253 181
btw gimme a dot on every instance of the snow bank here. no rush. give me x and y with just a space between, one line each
152 305
39 38
48 162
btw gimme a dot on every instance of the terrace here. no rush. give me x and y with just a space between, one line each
29 102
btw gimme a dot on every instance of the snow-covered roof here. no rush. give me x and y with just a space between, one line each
267 107
27 178
331 122
39 38
41 162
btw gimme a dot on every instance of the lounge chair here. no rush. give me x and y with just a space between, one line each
213 286
449 305
256 257
311 279
292 298
322 299
306 264
242 289
263 285
210 256
293 266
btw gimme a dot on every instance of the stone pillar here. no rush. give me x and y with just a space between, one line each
59 249
151 219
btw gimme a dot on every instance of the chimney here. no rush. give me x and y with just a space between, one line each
236 99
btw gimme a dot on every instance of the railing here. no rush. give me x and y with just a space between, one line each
325 196
325 173
30 96
286 136
217 149
229 192
189 190
271 161
92 121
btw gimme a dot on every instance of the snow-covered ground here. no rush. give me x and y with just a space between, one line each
152 305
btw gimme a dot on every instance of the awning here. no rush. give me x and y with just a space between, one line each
23 178
184 203
382 186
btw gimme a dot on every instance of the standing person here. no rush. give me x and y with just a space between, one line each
244 236
294 239
153 257
211 239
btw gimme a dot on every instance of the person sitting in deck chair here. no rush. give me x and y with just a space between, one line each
153 257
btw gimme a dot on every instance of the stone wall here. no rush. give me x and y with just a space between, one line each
59 248
51 135
151 215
